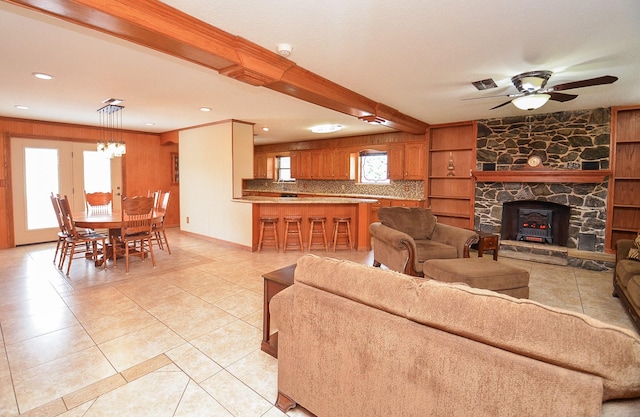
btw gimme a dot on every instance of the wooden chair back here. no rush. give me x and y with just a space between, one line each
156 197
99 202
55 201
137 213
163 201
67 218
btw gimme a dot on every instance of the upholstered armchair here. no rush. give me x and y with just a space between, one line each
405 237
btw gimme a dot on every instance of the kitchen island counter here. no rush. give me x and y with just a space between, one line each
304 200
358 209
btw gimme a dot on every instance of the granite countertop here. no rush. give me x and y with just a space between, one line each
358 196
303 200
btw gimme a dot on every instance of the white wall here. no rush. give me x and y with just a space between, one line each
210 157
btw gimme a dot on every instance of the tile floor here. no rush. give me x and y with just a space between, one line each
180 339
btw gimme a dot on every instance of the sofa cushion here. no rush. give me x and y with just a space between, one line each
633 289
555 336
417 222
625 269
430 249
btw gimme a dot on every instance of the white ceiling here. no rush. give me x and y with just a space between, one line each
416 56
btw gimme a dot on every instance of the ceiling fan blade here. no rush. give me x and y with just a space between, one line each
562 97
606 79
499 95
500 105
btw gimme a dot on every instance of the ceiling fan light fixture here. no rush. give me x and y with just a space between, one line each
531 101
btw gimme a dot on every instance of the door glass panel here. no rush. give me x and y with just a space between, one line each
97 172
39 186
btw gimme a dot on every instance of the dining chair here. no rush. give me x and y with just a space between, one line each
62 234
137 214
159 233
88 244
156 197
98 202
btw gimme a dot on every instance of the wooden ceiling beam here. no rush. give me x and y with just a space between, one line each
160 27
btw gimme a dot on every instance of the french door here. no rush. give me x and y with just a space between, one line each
40 167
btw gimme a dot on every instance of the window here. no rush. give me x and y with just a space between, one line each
373 167
283 168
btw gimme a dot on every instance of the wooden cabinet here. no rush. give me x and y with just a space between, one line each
315 158
407 161
376 206
262 166
450 186
300 165
392 203
336 164
623 220
406 203
395 161
415 161
295 164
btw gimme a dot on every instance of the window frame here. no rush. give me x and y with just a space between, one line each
279 169
362 155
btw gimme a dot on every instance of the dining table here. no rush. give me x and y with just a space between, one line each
110 221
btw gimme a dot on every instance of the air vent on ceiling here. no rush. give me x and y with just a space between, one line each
484 84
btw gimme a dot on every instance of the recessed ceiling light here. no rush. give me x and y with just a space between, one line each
326 128
21 107
265 129
150 124
42 75
205 108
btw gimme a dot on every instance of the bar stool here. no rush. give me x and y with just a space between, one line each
346 222
292 228
321 231
268 224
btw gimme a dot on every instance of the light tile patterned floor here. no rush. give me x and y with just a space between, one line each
180 339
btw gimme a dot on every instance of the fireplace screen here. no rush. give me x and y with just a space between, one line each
534 225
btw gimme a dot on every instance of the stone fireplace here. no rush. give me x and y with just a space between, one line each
584 209
574 147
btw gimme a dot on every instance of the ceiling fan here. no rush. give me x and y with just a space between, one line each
533 93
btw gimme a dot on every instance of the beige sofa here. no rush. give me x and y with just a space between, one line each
405 237
354 340
626 281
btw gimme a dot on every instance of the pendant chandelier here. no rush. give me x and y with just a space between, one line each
111 142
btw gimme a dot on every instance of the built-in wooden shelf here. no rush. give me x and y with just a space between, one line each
543 175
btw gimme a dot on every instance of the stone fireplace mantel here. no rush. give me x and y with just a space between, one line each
543 175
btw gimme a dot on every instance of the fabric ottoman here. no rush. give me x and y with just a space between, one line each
480 273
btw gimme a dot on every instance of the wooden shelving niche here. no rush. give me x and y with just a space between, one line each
451 191
623 221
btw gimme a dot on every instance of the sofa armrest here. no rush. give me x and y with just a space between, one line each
460 238
281 309
394 249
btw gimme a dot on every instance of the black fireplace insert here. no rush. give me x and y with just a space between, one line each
535 225
541 227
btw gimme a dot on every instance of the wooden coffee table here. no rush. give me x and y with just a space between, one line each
274 282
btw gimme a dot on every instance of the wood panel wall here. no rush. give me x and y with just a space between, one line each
355 142
146 166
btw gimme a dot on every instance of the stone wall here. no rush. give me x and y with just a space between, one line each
565 140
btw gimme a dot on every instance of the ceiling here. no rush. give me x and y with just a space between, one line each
418 57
